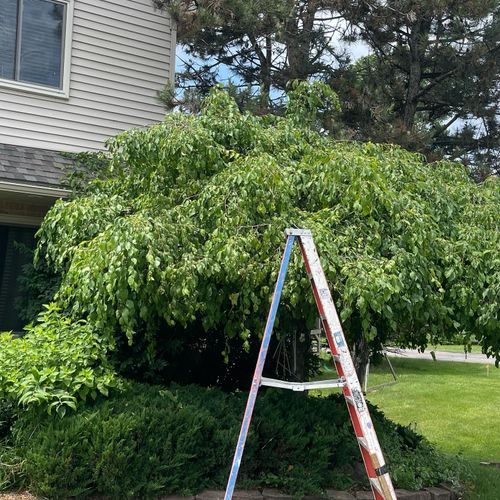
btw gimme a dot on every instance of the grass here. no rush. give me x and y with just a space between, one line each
487 483
456 406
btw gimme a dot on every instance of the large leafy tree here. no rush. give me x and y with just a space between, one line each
175 250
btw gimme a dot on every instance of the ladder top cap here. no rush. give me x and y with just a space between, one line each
297 232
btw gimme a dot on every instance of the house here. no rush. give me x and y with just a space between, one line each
72 74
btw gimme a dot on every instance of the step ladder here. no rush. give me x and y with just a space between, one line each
371 452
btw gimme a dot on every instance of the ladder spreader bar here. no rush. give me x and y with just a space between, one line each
302 386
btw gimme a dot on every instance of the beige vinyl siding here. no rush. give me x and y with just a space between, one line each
122 54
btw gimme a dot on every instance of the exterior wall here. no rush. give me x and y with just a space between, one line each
122 54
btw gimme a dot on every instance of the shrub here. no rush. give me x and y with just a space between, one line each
55 366
151 440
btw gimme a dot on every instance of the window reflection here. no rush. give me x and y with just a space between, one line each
41 42
31 41
8 28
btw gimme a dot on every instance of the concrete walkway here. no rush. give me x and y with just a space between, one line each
442 356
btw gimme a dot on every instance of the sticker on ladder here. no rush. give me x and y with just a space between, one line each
339 339
358 399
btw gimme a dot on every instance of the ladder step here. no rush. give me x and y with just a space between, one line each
376 484
297 232
302 386
363 442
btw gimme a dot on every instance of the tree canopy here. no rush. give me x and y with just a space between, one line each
430 82
262 45
174 250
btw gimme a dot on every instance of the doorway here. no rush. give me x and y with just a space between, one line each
13 257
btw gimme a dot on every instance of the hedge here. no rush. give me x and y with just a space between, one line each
152 440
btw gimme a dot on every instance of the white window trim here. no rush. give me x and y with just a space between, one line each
49 91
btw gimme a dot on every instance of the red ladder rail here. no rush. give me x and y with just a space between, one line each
371 451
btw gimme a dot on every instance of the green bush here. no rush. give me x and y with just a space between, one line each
10 465
55 366
151 440
183 231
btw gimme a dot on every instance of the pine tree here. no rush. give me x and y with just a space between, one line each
430 83
433 76
261 44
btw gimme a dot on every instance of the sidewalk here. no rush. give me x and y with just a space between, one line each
443 356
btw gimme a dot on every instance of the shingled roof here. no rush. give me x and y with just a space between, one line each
20 164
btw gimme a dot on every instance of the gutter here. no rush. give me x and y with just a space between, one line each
15 187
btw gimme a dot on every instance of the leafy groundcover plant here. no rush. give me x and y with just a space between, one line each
152 440
57 365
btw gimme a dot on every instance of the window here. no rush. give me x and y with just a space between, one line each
34 38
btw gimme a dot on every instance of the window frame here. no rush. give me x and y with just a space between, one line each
63 91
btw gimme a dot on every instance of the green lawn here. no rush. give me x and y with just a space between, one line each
487 483
455 405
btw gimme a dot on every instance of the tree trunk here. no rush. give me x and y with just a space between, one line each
361 357
299 39
417 42
265 60
265 92
414 78
303 351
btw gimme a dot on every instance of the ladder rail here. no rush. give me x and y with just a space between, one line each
356 404
257 377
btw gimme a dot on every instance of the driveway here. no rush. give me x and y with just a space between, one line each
441 356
